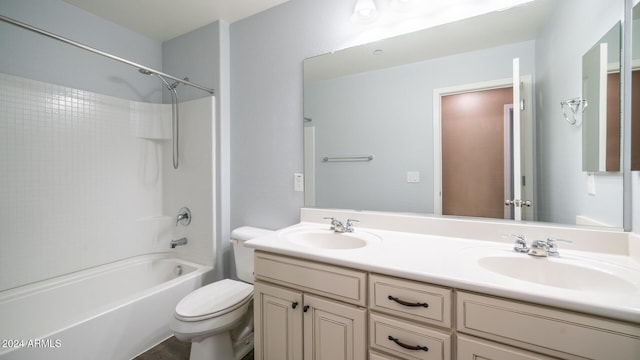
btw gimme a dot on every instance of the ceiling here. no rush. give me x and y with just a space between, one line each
166 19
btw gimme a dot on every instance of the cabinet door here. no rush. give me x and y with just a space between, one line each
470 348
277 322
333 330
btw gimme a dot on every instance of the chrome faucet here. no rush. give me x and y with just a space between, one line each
339 227
544 248
178 242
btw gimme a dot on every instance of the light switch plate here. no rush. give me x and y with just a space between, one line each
298 182
413 176
591 184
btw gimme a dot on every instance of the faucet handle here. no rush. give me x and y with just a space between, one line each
334 222
184 216
552 248
349 225
521 242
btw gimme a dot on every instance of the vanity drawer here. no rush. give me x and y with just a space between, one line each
377 356
470 348
384 289
335 282
555 332
383 330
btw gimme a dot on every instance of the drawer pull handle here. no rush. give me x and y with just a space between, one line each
294 305
305 308
401 302
408 347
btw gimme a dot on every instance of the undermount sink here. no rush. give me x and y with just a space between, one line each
563 273
328 239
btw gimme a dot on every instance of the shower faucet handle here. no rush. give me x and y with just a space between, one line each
184 216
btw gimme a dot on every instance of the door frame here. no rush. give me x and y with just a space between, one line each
528 189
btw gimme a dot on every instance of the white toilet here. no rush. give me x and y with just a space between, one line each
218 318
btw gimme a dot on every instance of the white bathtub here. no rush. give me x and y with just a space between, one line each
114 311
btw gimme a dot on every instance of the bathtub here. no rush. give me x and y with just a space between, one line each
114 311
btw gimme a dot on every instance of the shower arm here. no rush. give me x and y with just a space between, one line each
102 53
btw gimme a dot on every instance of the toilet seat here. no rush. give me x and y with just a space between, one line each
214 300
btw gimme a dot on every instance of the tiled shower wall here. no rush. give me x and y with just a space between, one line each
80 179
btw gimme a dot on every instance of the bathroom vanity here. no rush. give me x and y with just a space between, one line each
382 294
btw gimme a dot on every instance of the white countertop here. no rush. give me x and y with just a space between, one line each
453 262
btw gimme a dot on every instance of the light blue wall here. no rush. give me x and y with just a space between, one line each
562 185
267 51
37 57
193 55
203 56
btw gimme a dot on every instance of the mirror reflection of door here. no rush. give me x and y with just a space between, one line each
612 161
474 127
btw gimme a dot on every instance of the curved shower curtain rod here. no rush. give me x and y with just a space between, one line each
100 52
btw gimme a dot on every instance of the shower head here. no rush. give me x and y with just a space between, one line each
171 87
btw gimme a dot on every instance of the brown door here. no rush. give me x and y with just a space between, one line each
473 152
613 122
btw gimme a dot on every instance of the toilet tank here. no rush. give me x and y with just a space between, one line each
242 255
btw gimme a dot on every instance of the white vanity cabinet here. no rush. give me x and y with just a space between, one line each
409 319
307 310
311 310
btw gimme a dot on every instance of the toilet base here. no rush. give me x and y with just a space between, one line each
212 348
220 347
243 347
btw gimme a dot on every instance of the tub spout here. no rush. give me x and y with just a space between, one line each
179 242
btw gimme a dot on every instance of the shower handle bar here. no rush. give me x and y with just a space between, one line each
100 52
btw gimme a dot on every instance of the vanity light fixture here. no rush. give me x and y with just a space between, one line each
365 12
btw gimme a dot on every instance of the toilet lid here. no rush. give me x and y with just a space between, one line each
217 298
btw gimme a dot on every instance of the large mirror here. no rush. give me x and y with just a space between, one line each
378 129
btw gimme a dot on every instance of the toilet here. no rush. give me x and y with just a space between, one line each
218 318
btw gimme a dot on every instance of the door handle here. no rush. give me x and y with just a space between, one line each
518 203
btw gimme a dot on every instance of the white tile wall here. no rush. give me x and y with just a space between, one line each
80 181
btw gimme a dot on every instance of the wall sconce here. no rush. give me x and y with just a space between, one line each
577 106
365 12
